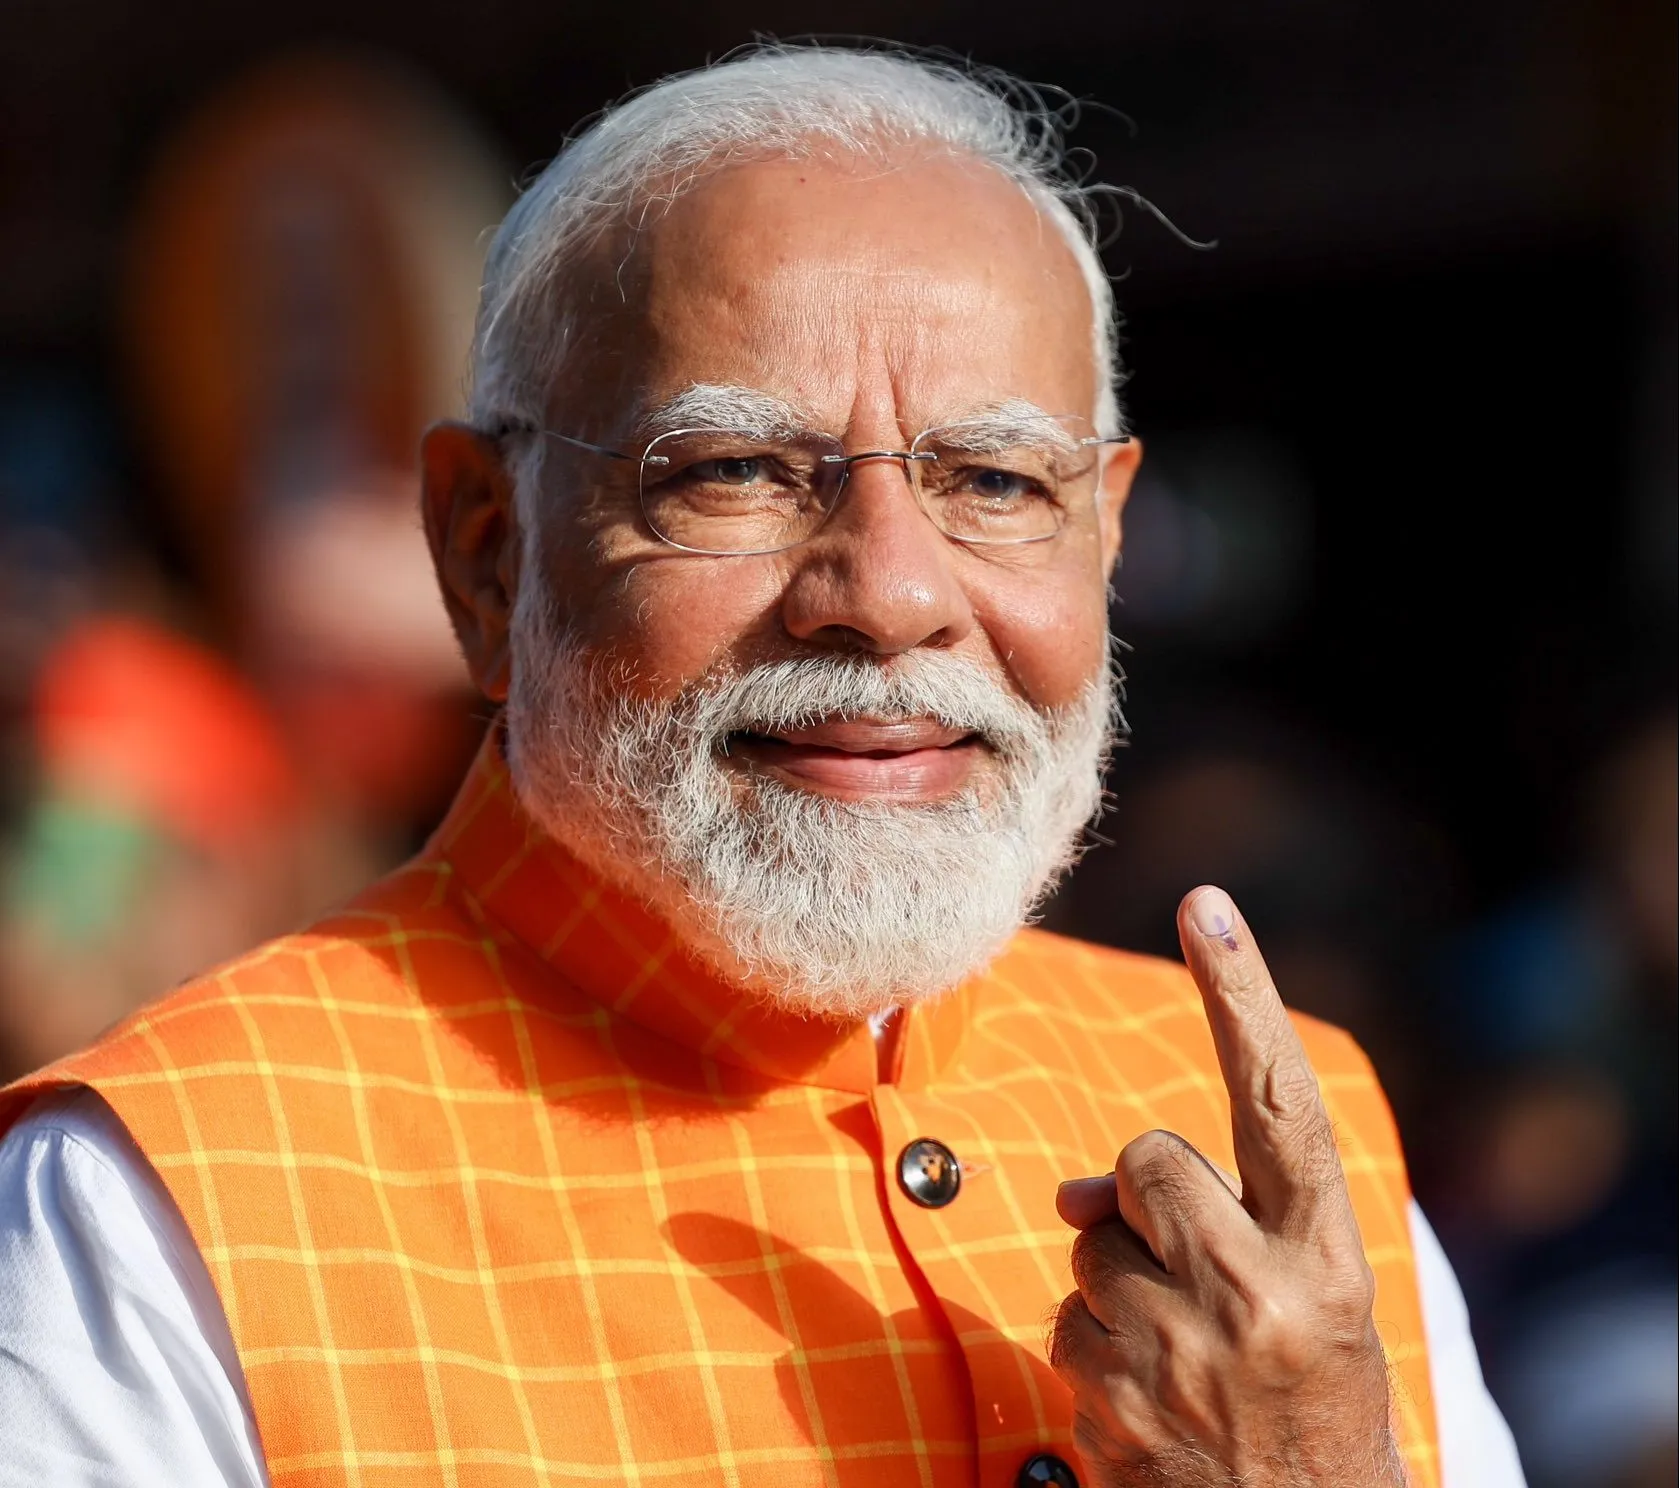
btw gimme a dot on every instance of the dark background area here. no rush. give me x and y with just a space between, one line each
1400 575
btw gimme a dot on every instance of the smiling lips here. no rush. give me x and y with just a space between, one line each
866 759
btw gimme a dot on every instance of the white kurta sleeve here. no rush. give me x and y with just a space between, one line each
116 1364
1476 1448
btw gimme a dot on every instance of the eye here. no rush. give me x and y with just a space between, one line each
1001 485
735 472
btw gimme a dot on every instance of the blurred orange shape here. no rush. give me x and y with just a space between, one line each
134 717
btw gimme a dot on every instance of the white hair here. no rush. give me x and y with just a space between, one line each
771 101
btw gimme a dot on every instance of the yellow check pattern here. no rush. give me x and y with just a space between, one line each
497 1187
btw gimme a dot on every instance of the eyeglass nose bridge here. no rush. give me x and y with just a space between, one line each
847 461
841 466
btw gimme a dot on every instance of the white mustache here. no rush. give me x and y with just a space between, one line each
785 695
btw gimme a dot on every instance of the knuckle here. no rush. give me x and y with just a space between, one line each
1285 1339
1070 1331
1350 1301
1094 1264
1270 1326
1157 1166
1291 1100
1151 1149
1361 1285
1296 1125
1346 1282
1293 1329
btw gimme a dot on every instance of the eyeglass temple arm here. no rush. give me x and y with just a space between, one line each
523 426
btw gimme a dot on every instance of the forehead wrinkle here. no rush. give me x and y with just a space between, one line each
889 290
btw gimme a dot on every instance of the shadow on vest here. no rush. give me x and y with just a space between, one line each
818 1311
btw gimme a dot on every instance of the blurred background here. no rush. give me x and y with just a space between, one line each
1399 575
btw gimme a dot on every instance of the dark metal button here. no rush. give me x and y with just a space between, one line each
929 1173
1046 1470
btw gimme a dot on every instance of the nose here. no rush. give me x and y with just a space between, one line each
879 576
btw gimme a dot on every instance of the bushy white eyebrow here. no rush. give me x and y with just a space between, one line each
761 415
718 405
1015 421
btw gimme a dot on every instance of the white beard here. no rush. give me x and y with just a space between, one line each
824 907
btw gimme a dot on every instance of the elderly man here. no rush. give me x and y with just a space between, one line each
695 1109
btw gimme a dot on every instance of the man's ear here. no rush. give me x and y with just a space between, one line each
1119 470
466 498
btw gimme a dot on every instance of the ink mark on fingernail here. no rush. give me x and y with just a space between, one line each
1215 917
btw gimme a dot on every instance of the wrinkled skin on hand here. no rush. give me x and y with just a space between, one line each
1221 1331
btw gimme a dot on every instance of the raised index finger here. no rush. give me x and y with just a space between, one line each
1285 1145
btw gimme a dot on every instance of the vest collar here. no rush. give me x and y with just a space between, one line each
617 953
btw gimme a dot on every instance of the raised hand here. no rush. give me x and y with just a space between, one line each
1221 1333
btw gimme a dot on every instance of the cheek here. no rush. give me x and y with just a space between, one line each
668 619
1049 627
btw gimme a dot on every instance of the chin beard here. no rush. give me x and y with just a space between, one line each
823 907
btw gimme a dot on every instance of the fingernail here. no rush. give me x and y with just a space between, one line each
1215 917
1079 1187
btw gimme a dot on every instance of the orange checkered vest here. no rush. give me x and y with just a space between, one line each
497 1187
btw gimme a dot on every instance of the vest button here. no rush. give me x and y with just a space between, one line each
1046 1470
929 1173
